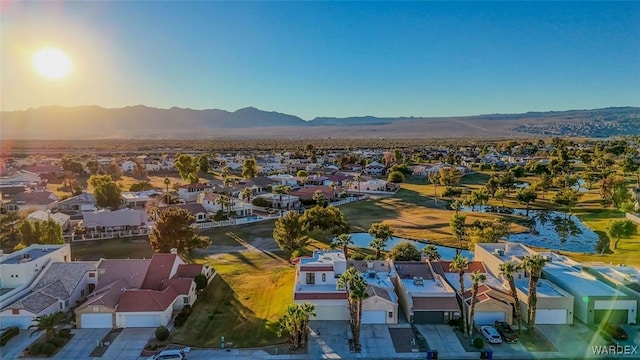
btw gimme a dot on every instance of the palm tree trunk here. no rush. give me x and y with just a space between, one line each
463 303
472 311
516 302
345 250
533 299
356 326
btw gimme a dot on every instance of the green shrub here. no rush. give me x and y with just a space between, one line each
180 320
35 348
478 342
201 281
186 310
357 256
260 201
65 333
162 333
48 349
58 341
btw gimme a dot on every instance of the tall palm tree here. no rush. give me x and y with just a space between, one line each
290 323
246 194
358 179
167 182
223 201
477 278
49 324
356 288
378 245
281 190
460 265
333 185
305 312
533 264
342 240
431 251
508 270
381 232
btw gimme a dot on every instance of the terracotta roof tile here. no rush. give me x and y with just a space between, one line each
146 300
188 271
159 270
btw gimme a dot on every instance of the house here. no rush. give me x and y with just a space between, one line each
258 184
211 203
37 200
60 286
284 201
128 166
21 177
190 192
381 304
139 292
374 168
595 301
197 210
138 199
78 203
493 301
371 186
61 218
424 296
352 167
307 193
119 220
554 305
623 277
284 179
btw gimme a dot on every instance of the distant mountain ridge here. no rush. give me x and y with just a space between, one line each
89 122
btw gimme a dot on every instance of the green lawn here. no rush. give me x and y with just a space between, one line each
122 248
243 303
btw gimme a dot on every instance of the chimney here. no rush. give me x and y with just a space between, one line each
174 251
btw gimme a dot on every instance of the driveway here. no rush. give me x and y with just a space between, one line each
129 344
443 339
329 340
81 344
15 346
376 341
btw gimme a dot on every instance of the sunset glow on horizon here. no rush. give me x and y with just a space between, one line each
52 63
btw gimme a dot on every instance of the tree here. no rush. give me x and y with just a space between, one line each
481 195
526 196
8 222
568 198
203 164
187 166
629 166
290 233
40 232
499 195
140 169
508 270
318 197
507 182
295 323
49 324
489 231
458 227
476 278
281 190
450 176
405 251
246 194
431 252
395 177
493 184
343 241
381 233
543 184
330 219
249 168
356 288
533 264
618 229
434 178
174 230
93 167
451 192
459 265
613 190
167 182
106 191
358 180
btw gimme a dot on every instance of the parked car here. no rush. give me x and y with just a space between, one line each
506 331
491 334
616 331
8 333
171 354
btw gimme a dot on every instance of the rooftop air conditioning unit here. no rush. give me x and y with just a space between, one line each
418 280
500 252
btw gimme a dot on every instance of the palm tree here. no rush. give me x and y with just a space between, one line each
280 190
246 194
223 201
290 323
508 270
533 264
167 182
378 245
356 288
460 265
357 179
477 278
342 240
49 324
333 185
305 312
381 233
431 251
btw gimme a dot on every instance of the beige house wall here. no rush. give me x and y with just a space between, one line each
378 303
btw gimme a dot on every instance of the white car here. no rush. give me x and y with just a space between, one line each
491 334
178 354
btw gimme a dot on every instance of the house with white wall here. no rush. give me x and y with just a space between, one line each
210 202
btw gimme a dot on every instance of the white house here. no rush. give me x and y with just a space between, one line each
61 218
138 199
375 168
38 200
210 201
128 166
78 203
123 219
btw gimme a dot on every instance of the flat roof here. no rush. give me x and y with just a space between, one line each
619 273
508 250
580 282
29 254
323 258
545 288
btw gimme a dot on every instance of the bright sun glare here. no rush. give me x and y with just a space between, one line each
51 63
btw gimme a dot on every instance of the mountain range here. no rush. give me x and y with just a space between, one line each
142 122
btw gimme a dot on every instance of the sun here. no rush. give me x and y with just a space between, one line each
52 63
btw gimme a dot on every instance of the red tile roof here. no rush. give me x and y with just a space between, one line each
181 286
188 271
308 192
435 304
442 267
159 270
146 300
321 296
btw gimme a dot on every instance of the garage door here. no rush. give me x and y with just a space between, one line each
611 316
548 316
96 321
22 322
428 317
332 313
374 317
489 317
142 321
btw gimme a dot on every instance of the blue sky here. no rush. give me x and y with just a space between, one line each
328 58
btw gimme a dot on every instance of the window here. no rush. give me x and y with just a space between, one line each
15 311
185 299
390 314
92 275
311 278
324 277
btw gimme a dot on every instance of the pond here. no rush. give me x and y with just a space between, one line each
447 253
550 229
